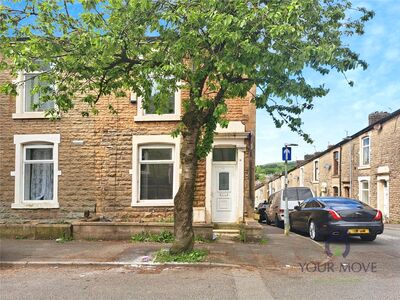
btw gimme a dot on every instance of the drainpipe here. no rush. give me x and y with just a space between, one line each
251 175
351 170
340 171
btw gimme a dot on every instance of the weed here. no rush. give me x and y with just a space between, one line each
189 257
201 239
242 236
164 236
263 241
64 239
166 220
18 237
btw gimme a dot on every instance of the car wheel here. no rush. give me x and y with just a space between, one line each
369 237
314 233
260 219
278 223
291 225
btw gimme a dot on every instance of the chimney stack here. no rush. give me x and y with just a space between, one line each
376 116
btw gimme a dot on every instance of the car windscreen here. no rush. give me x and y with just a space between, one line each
340 204
297 194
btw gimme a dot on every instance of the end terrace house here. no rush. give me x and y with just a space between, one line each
124 167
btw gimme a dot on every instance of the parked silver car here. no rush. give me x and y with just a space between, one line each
276 203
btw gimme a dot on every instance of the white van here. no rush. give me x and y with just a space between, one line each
276 203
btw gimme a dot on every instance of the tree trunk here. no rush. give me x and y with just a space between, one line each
183 201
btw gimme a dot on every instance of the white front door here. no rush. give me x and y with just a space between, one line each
385 200
224 195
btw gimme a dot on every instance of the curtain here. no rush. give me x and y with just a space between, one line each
39 177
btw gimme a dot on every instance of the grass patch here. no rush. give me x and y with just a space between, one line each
164 236
263 241
193 256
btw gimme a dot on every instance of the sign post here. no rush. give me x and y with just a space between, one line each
286 156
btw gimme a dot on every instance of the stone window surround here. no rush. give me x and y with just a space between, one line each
20 112
361 157
20 140
315 179
360 180
139 141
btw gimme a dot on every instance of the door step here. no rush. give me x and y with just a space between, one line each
226 234
226 226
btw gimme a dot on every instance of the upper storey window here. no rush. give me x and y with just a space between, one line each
168 110
365 151
28 104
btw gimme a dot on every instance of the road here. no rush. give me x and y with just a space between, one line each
381 282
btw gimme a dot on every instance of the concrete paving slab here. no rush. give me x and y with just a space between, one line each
277 251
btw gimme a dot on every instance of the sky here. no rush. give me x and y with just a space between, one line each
344 111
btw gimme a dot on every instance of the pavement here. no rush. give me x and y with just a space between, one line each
277 251
116 270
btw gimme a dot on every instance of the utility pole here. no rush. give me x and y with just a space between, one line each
286 156
286 200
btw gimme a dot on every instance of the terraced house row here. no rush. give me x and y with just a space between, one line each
123 167
365 166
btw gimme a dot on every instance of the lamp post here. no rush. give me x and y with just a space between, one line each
287 156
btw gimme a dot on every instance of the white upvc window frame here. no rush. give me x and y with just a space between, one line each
142 116
362 138
316 174
224 162
140 142
25 141
20 112
362 179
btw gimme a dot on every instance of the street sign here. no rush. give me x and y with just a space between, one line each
286 153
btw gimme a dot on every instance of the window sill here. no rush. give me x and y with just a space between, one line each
35 205
153 203
364 167
152 118
29 115
315 181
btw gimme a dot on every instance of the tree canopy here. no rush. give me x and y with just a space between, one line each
217 49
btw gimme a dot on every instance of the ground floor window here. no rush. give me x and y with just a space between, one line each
335 191
38 178
155 170
36 171
156 173
364 187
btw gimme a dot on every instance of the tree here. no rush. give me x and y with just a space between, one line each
216 49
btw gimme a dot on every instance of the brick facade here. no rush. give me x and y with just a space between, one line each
95 176
384 166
